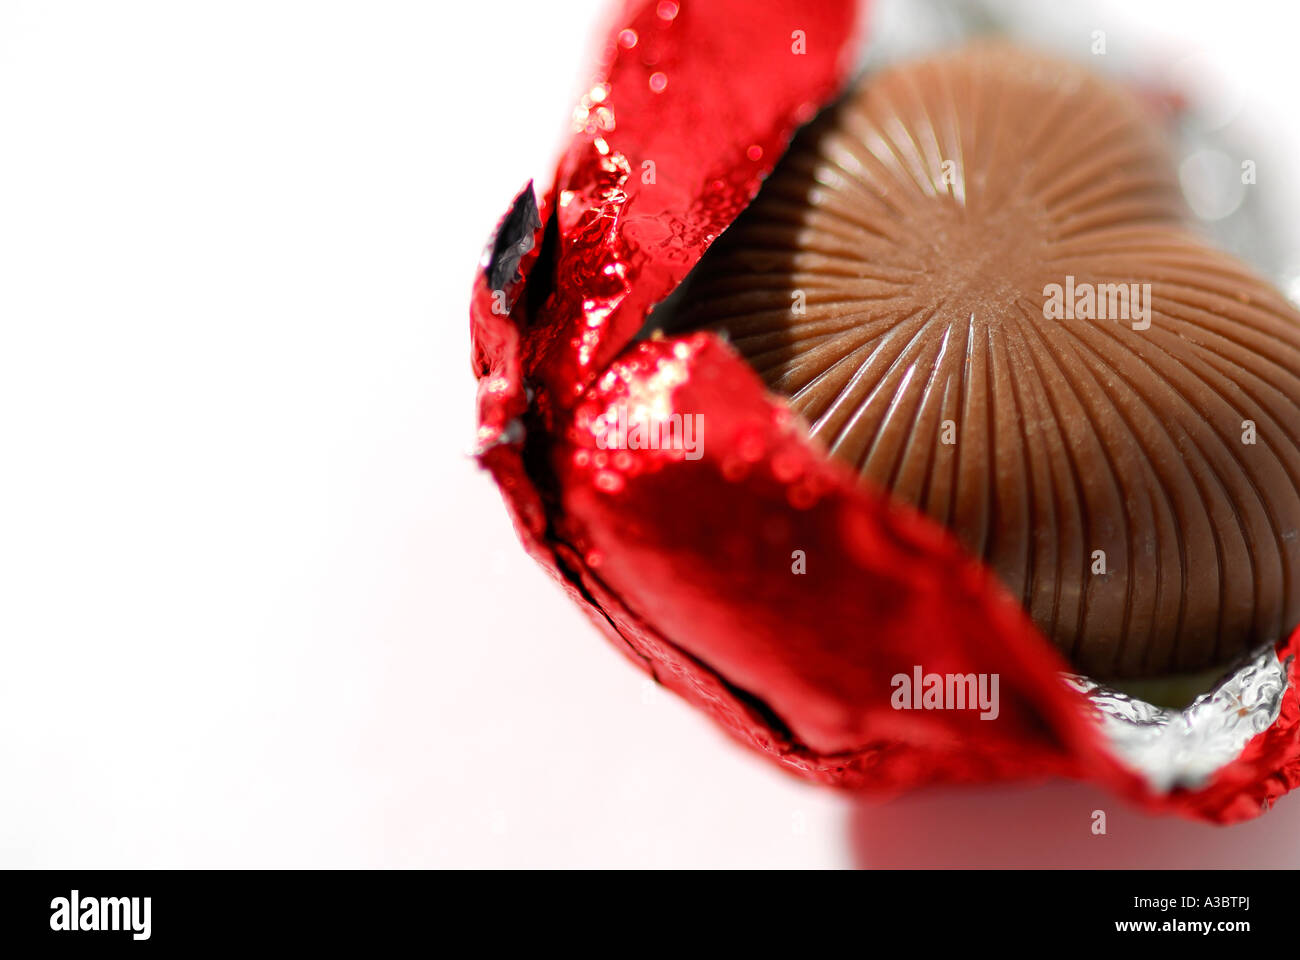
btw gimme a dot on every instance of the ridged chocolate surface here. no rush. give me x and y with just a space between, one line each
889 279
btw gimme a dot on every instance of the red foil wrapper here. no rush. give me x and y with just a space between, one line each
686 563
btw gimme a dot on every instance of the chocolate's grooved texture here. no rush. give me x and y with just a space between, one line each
921 222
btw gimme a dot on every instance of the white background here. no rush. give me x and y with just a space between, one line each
257 605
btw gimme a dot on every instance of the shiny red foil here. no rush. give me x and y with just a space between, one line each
686 564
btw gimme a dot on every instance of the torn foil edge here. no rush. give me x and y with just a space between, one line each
1184 748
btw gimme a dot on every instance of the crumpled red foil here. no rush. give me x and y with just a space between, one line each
686 564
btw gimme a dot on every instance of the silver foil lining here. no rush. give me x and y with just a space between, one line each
1184 748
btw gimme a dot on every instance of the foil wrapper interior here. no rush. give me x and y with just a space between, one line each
1184 748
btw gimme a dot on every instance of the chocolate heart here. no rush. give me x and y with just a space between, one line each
974 278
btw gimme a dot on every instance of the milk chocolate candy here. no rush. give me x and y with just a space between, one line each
975 280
